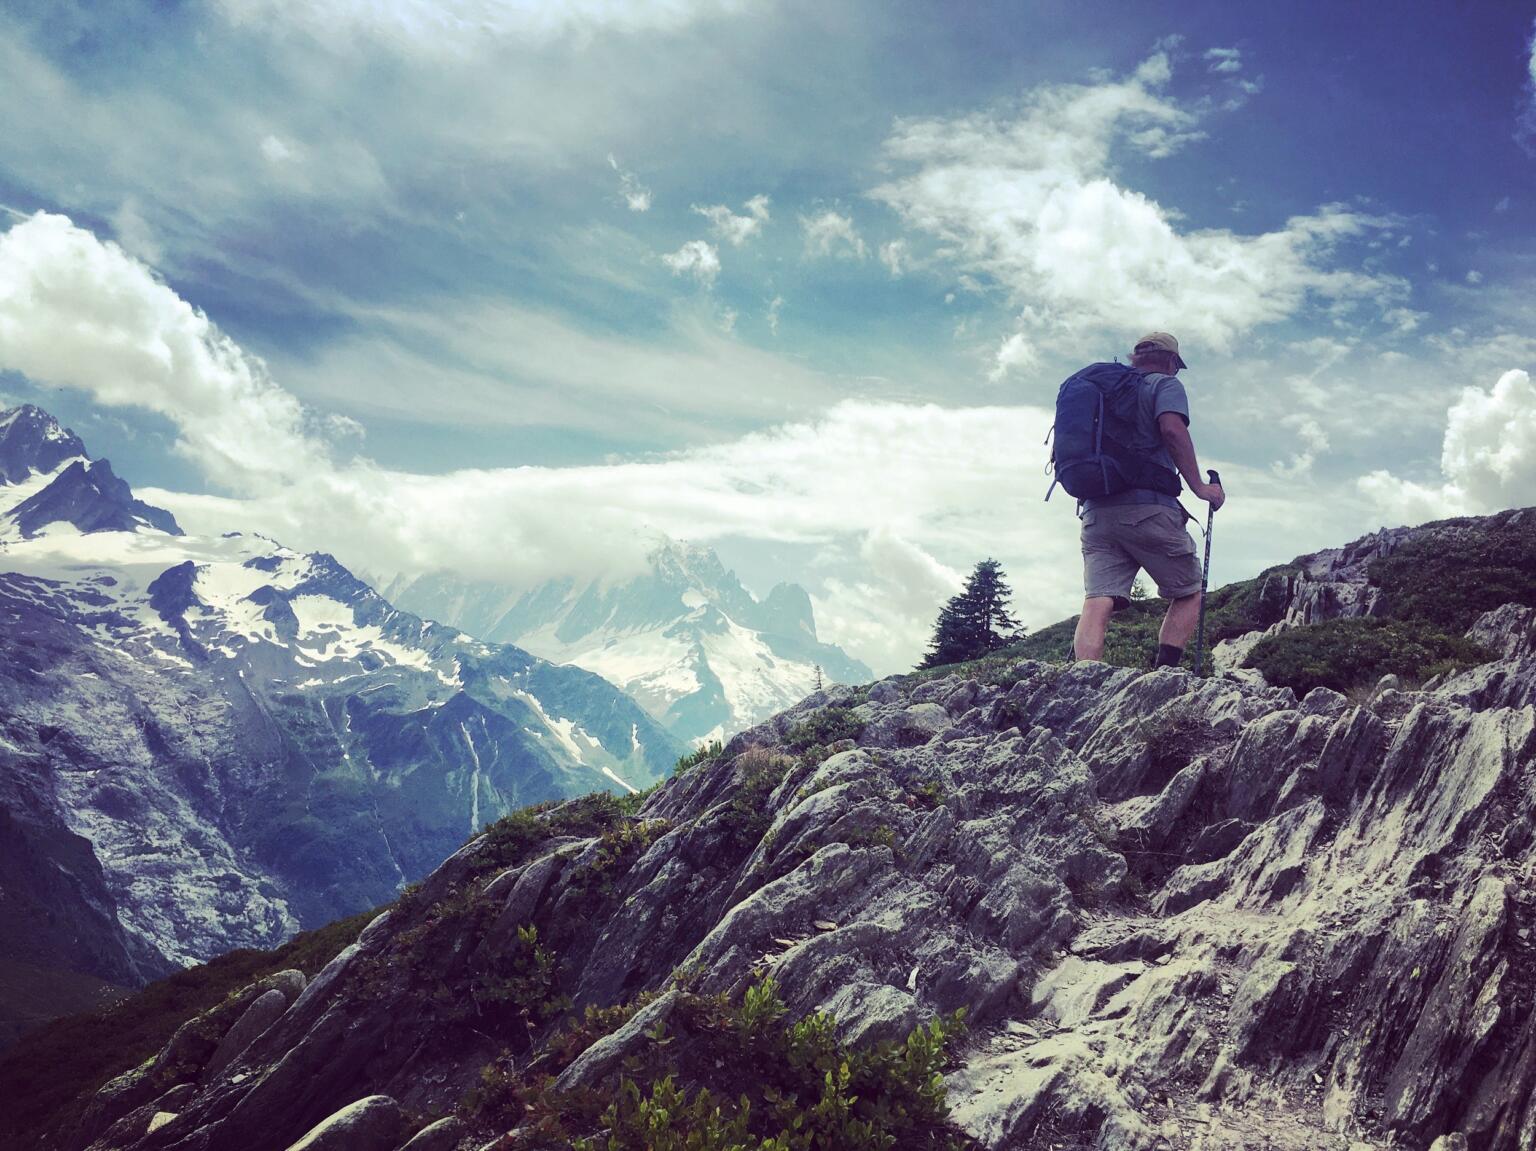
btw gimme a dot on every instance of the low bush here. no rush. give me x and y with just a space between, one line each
1344 654
704 754
807 1090
758 772
824 727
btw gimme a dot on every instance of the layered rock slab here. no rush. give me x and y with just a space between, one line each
1178 913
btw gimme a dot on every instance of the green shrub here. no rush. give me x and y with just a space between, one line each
761 1007
806 1091
519 983
515 837
758 772
1346 653
703 754
823 728
617 850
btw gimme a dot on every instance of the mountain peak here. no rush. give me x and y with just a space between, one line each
32 441
52 479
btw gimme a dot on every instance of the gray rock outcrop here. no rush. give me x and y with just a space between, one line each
1178 914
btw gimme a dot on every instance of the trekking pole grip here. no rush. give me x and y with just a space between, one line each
1212 476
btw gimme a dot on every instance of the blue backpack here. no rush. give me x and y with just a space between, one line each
1096 412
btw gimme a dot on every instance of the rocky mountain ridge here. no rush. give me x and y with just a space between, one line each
1178 914
212 742
685 639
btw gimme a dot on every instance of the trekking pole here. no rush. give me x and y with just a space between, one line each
1213 478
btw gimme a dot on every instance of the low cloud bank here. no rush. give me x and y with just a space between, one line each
889 502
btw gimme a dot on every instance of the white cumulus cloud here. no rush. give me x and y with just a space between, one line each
886 611
900 497
830 233
1224 60
636 196
1487 460
696 258
1026 199
736 230
80 313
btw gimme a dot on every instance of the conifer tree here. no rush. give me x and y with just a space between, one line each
976 621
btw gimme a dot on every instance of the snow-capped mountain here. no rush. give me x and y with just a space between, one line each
213 742
685 639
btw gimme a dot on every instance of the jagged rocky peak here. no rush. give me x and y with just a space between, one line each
1178 914
93 499
52 480
787 611
32 441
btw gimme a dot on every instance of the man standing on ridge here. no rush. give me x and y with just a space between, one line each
1141 528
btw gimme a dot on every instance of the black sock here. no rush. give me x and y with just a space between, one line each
1168 655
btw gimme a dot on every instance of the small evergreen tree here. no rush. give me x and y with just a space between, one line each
976 621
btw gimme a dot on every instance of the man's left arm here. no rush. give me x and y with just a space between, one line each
1176 438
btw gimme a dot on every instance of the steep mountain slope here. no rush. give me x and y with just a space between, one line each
1179 913
686 640
210 743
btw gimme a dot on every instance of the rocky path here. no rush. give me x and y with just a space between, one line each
1178 914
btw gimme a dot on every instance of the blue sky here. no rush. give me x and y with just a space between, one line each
499 285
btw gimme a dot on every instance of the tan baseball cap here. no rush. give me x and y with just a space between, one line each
1160 340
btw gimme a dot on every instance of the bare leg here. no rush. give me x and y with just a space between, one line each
1179 623
1088 642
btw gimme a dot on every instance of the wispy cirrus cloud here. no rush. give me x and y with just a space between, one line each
1224 61
636 196
435 27
1525 126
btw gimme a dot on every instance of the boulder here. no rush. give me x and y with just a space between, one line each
444 1135
373 1123
266 1010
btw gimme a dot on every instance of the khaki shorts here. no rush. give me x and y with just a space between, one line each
1121 540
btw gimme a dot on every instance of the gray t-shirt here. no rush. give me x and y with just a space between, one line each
1159 394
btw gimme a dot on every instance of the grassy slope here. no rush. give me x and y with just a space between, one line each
54 1070
30 996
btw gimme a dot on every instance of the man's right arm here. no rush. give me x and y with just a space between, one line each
1181 448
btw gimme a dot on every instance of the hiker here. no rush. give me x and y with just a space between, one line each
1141 526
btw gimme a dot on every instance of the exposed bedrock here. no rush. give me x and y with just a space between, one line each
1178 914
